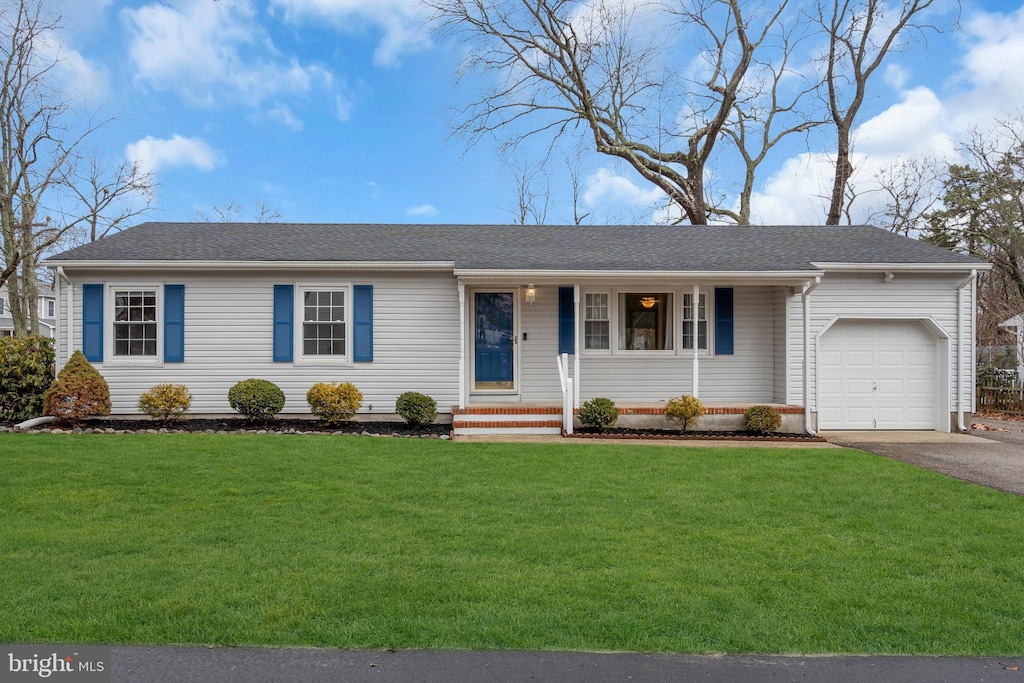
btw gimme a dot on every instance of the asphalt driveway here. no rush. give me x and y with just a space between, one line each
989 457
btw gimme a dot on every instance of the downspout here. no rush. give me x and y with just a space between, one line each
71 316
462 346
805 300
960 346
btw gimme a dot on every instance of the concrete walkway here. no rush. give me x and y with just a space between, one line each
970 457
166 664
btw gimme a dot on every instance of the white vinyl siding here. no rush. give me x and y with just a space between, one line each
867 295
416 340
746 376
538 374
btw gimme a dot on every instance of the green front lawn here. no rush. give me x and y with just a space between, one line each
357 542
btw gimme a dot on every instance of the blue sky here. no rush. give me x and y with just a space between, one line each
339 110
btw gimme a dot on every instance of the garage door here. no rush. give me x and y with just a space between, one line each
877 374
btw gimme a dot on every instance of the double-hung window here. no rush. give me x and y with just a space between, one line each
324 323
597 322
702 322
135 323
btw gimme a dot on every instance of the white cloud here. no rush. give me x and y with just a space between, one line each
990 86
403 22
423 211
153 154
208 51
283 115
342 108
78 77
606 186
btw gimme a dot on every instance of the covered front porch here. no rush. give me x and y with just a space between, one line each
532 350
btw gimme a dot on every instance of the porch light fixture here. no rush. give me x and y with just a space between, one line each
531 294
648 301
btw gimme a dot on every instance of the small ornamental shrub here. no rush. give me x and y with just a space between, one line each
333 402
762 419
684 410
26 372
599 412
417 409
258 400
80 392
166 403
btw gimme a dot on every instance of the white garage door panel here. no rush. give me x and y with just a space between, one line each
877 374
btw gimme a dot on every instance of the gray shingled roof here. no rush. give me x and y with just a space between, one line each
604 247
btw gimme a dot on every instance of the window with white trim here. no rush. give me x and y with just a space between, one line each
135 323
597 322
324 328
51 309
645 321
702 321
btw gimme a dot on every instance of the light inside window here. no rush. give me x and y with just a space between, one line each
645 321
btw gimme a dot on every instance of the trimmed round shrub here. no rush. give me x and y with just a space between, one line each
599 412
26 372
166 403
79 392
762 419
257 400
417 409
334 402
684 410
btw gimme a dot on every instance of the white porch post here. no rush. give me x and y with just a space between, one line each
695 308
1020 352
462 345
576 346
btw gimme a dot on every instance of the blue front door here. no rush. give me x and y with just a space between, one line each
494 349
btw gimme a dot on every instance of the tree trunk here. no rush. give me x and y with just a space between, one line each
844 169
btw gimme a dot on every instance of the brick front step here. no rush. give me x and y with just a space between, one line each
510 410
505 424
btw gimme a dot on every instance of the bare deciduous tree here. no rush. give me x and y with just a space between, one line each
608 68
860 34
912 188
234 212
110 196
532 188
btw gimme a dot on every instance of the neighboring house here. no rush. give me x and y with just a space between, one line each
866 329
1016 323
47 303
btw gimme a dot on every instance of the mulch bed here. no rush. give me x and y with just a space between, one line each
239 426
675 435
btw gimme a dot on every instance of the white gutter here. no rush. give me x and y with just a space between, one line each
71 316
805 300
840 266
960 346
705 276
444 266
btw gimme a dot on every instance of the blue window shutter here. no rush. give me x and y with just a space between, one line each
723 321
566 320
362 339
174 323
284 303
92 323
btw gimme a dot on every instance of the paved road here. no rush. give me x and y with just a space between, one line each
998 464
266 665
